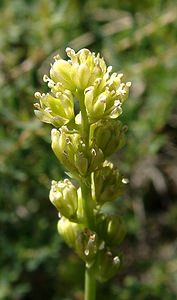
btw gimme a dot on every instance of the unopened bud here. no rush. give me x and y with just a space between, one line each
115 230
106 265
63 195
81 163
83 75
96 158
87 245
56 111
60 72
65 145
108 135
68 231
108 183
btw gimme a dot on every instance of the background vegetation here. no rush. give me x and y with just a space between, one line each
138 38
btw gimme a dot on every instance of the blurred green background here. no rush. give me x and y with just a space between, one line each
138 38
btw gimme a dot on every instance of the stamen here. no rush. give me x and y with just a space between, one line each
37 95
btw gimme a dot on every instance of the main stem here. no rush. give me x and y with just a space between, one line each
87 202
90 281
90 284
85 127
85 182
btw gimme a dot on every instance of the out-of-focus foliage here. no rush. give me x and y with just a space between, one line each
138 38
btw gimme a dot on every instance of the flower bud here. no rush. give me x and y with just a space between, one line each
63 195
89 96
60 72
99 106
111 229
80 209
114 81
57 111
108 135
64 145
87 245
96 158
87 161
80 74
72 152
68 231
84 75
106 265
108 183
103 104
81 163
90 68
58 143
115 230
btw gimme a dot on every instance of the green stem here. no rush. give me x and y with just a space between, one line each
85 123
85 182
87 203
90 284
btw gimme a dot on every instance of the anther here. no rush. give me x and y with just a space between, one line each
37 95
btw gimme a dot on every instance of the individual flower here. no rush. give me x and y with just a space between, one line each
108 135
63 194
111 228
71 150
106 265
68 231
108 183
58 110
87 245
105 101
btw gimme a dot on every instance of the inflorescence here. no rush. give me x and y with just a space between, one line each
84 105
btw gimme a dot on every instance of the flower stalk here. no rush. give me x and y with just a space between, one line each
88 203
90 284
83 140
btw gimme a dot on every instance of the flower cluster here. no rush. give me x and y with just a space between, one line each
83 105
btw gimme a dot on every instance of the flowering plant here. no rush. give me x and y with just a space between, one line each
84 105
